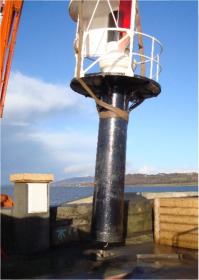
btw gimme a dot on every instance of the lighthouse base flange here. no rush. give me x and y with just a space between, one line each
137 87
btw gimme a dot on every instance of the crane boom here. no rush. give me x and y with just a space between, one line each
10 17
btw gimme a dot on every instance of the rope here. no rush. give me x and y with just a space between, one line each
116 112
109 114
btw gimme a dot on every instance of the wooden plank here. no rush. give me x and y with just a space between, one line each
176 222
179 211
31 178
182 244
179 202
176 237
189 220
178 228
157 220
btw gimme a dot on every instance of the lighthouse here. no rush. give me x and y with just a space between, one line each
118 66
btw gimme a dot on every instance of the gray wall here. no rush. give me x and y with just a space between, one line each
71 223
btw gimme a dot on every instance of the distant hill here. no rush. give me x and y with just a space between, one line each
179 179
175 179
73 181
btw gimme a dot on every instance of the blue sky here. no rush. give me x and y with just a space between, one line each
47 128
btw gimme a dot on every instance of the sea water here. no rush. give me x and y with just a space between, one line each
59 195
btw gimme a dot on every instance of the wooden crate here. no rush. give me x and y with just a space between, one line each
176 222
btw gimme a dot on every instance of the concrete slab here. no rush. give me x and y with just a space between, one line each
137 196
72 262
150 195
88 199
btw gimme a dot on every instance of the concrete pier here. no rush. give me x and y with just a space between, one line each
71 247
31 212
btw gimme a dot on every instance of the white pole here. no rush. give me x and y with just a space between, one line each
132 27
152 58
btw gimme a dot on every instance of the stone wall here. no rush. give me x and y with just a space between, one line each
138 221
72 223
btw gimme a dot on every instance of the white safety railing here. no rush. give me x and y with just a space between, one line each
151 61
98 38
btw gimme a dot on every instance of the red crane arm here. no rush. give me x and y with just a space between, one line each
10 12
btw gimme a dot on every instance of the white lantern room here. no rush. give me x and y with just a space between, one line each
109 39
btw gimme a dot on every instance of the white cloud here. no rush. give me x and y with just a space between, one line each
72 152
132 168
80 170
19 123
186 170
27 96
66 146
147 169
47 128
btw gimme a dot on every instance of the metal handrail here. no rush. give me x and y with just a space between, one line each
151 60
